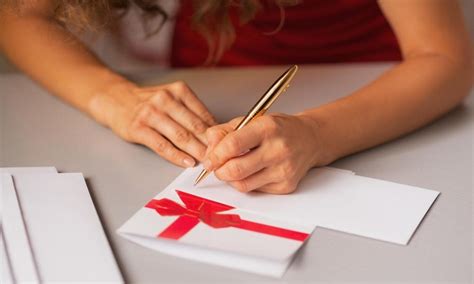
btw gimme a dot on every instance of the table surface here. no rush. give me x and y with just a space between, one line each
39 130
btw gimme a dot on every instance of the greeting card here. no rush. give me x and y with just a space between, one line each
260 233
180 218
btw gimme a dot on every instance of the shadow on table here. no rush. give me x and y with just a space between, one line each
454 121
112 246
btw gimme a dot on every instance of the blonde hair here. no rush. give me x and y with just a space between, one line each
211 17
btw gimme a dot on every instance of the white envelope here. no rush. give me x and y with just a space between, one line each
67 239
331 199
6 272
17 252
28 170
18 264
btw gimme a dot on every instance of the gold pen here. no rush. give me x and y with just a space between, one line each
262 105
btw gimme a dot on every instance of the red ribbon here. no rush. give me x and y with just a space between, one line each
198 209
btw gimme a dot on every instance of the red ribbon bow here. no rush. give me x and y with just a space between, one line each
198 209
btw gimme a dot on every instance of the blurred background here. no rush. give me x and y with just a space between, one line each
116 52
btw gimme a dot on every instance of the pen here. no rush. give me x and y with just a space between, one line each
262 105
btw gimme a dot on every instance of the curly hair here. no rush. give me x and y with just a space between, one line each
211 17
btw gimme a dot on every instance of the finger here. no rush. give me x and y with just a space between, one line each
216 133
233 145
182 115
150 138
243 166
277 188
177 134
190 100
257 180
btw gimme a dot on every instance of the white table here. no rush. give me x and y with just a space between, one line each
38 129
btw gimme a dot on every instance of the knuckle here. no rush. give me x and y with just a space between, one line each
234 145
214 136
182 135
210 131
207 117
181 111
135 125
235 171
270 125
198 126
162 97
146 111
129 134
241 186
286 187
221 174
180 87
213 158
288 170
173 155
284 148
160 147
170 153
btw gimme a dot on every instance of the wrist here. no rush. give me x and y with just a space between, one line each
113 94
322 145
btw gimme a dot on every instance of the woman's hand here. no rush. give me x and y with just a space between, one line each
169 119
270 154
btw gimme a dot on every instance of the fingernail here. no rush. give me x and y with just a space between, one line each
207 164
189 162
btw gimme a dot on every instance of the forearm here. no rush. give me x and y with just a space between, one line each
403 99
51 55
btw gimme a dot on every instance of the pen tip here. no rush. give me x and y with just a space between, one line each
197 180
201 176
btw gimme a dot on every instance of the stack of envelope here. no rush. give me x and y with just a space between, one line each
261 233
50 231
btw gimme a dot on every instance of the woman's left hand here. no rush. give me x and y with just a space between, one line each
270 154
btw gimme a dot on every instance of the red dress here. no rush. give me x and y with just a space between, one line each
314 31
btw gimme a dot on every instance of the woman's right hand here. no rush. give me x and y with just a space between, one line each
169 119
